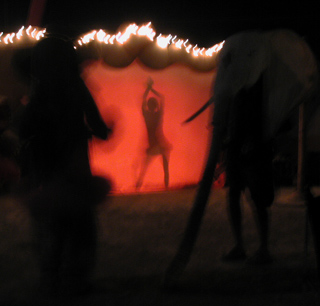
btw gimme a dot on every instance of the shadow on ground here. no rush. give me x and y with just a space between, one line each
139 235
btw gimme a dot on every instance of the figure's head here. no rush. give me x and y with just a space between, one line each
153 104
242 60
54 59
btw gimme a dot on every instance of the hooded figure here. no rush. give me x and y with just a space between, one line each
57 124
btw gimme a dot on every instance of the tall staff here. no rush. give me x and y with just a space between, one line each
36 12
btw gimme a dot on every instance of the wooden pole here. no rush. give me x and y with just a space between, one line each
36 12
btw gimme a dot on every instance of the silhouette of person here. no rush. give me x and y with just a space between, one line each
9 146
249 165
152 110
57 122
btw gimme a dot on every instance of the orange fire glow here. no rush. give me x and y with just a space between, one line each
181 72
119 94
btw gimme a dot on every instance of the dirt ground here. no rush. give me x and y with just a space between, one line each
139 235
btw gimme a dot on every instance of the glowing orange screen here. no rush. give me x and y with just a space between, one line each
118 93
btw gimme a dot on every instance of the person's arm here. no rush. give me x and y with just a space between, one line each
158 94
93 117
145 95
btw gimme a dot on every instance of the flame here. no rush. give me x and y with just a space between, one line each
106 39
188 49
20 32
112 38
101 36
147 31
173 39
163 41
8 38
88 37
28 30
121 38
130 30
118 36
179 44
32 33
195 51
215 49
40 34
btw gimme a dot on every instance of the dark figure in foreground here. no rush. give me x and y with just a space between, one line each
152 110
246 58
9 147
57 124
313 206
249 165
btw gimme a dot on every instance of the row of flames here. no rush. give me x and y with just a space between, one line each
162 41
30 32
148 32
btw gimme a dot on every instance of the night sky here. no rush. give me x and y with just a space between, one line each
204 23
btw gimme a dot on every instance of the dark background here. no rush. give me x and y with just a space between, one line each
204 23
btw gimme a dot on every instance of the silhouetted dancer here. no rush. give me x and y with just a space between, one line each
152 110
249 165
57 124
